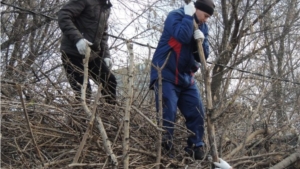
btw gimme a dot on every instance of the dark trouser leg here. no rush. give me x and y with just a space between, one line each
74 70
170 98
101 74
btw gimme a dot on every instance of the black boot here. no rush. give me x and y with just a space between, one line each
196 152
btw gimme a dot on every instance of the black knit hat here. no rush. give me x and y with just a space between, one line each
205 5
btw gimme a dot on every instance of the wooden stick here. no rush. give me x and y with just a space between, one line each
19 88
207 81
85 164
249 138
147 119
89 128
83 102
160 111
128 107
287 161
106 142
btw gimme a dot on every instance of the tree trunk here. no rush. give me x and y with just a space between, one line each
128 107
287 161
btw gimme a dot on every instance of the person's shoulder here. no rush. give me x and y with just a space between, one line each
179 11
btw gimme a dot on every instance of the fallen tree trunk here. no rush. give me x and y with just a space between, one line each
287 161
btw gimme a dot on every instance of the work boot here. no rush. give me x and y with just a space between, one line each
196 153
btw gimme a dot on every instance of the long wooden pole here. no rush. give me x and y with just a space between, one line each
19 89
126 146
160 111
209 106
100 126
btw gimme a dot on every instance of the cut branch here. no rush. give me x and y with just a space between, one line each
287 161
160 111
128 106
106 142
19 88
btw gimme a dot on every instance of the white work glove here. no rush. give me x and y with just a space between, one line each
189 9
222 165
82 45
198 35
108 62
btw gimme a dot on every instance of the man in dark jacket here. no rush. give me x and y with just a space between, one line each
84 24
178 85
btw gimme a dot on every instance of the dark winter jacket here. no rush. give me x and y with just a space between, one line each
84 19
177 38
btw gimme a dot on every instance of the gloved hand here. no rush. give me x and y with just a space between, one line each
222 164
82 45
198 35
189 9
108 62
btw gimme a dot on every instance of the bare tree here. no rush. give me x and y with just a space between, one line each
276 54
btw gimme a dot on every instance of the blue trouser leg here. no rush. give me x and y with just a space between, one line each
190 105
170 99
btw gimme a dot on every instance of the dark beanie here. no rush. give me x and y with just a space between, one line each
205 5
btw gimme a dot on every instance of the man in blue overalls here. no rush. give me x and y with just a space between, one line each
178 84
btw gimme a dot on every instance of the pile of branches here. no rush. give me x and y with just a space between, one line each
60 134
39 135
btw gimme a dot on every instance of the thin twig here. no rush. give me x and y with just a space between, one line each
19 88
147 119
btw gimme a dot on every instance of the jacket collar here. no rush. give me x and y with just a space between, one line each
196 19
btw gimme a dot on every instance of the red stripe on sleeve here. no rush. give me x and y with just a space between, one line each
176 46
